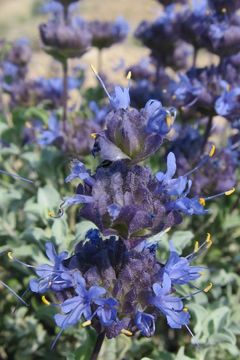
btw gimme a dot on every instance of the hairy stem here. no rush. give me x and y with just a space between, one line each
98 346
99 58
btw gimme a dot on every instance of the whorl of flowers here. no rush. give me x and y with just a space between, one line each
106 33
116 290
65 40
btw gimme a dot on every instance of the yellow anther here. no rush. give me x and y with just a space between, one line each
167 229
201 273
208 288
94 69
10 255
182 108
93 135
129 75
86 323
196 246
230 192
224 10
45 301
169 120
228 88
212 151
185 309
202 201
174 97
51 214
209 240
28 125
126 332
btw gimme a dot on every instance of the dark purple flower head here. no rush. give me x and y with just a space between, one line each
166 28
118 290
20 53
65 40
131 134
106 33
127 201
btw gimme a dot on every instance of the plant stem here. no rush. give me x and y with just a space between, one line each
207 132
99 59
65 90
98 346
195 53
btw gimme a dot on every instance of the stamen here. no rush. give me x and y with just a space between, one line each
185 309
86 323
101 81
13 258
126 332
208 288
196 246
9 254
169 120
58 215
193 336
209 240
224 10
129 75
202 201
93 135
230 192
227 193
212 151
45 301
13 292
15 176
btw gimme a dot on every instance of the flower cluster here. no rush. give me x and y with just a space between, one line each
97 285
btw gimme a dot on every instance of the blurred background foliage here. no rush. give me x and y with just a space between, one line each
25 226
